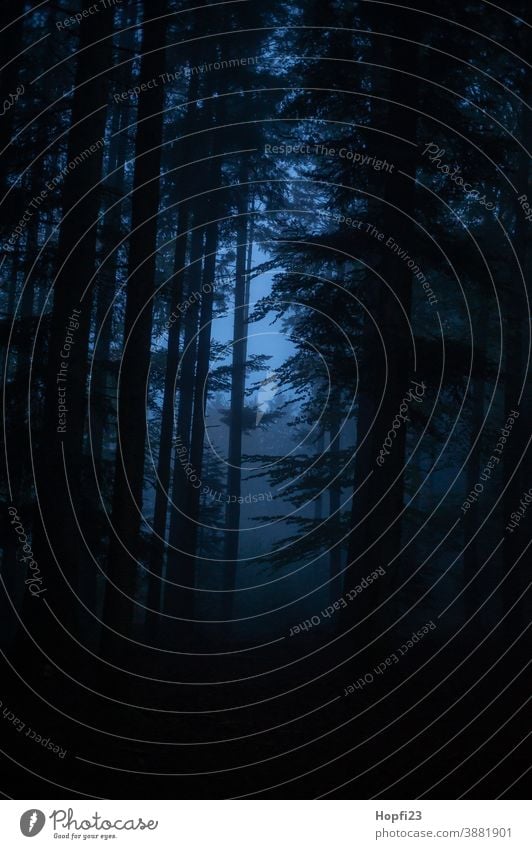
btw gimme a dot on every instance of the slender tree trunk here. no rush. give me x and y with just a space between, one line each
127 498
470 519
167 428
378 504
238 384
155 589
191 510
7 318
179 595
197 441
335 554
106 287
19 439
318 501
515 462
102 383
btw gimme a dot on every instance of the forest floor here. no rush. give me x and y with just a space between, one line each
287 733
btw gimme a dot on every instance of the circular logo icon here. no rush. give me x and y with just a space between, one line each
32 822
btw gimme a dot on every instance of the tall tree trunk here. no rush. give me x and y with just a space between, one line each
318 501
7 317
167 428
172 363
179 593
378 504
57 543
191 509
238 384
101 382
197 440
335 553
107 278
517 398
129 477
470 519
20 435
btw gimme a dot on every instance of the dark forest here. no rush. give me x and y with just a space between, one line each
265 321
